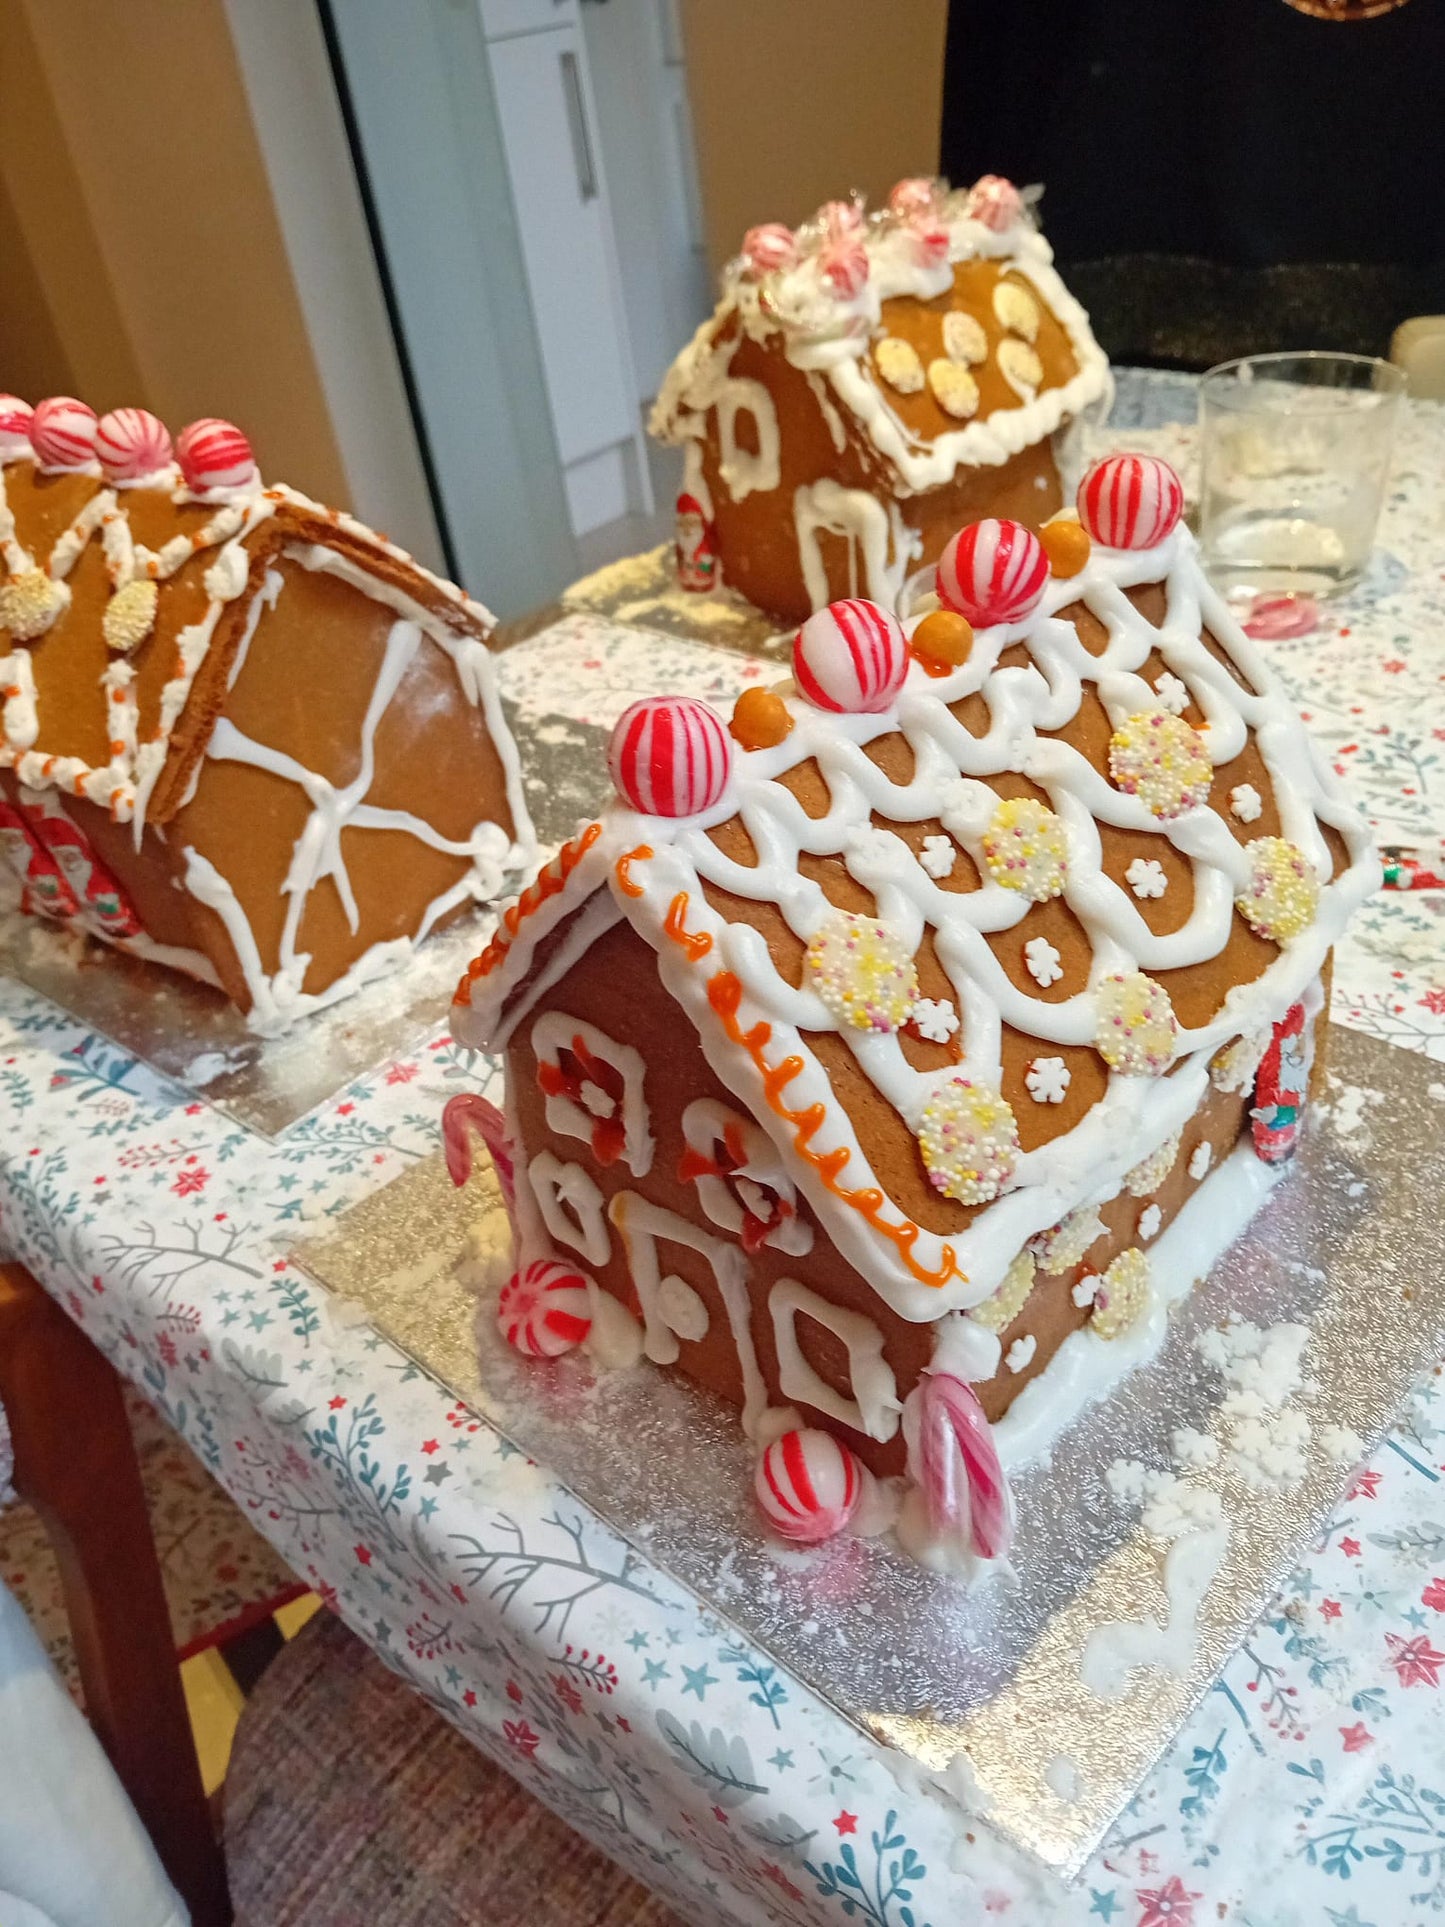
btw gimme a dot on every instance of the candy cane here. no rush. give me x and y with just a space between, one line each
464 1114
956 1466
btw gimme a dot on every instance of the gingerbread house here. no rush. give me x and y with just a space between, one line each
868 385
243 735
862 1062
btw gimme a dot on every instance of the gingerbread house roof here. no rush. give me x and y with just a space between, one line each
126 607
936 330
1105 844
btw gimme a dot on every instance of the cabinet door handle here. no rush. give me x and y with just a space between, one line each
577 126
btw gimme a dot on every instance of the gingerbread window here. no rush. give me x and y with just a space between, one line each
874 1407
594 1090
571 1206
740 1180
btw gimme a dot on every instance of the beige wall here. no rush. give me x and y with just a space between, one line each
143 258
796 102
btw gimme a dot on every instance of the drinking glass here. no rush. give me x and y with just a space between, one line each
1295 454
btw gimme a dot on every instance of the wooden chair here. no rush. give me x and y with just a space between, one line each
75 1463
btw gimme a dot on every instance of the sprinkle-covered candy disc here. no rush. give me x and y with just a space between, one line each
1130 501
131 442
862 972
15 419
1162 760
1135 1027
999 1312
808 1485
1122 1294
1064 1244
1283 894
769 247
130 615
993 571
214 454
995 202
670 756
543 1311
30 603
62 433
1149 1173
970 1140
1026 848
851 656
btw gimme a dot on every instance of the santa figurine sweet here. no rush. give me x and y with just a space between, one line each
1281 1087
695 542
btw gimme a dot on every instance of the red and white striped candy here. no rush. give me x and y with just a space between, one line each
15 419
851 656
132 442
913 197
670 756
1130 501
993 572
994 202
808 1486
214 454
952 1456
769 247
62 432
542 1310
844 259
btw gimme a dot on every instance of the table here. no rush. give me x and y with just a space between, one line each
1309 1788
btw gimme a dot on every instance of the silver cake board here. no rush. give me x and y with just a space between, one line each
981 1691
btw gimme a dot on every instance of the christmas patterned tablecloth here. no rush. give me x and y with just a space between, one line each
1307 1791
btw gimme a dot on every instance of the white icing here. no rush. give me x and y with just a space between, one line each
554 1032
878 539
615 1339
571 1204
642 1226
704 1122
682 1310
1119 1648
741 469
874 1408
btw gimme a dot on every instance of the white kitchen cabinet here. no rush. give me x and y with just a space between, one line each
559 192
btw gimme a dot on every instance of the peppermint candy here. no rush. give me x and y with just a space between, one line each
770 247
994 202
62 433
993 571
543 1310
808 1486
1130 501
214 454
131 442
851 656
15 419
670 756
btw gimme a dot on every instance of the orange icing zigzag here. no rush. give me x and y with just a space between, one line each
548 883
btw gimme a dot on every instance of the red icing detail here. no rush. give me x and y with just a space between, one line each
993 571
566 1078
1130 501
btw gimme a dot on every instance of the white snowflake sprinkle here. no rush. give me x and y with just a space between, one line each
938 856
1146 877
1342 1444
1084 1292
596 1100
1172 693
1042 962
1150 1219
1200 1158
1246 802
1047 1079
1193 1449
935 1018
1020 1352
